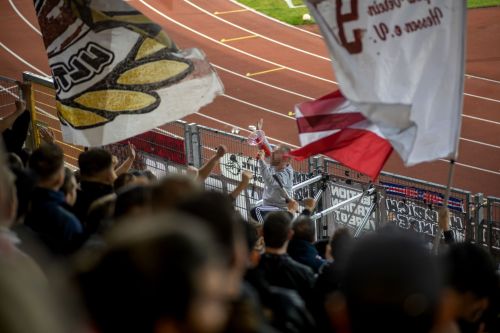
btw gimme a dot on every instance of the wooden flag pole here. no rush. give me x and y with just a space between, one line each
437 237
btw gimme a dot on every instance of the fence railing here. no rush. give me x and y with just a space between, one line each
407 202
9 92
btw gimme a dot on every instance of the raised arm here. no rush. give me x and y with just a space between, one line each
246 176
7 122
207 168
264 169
127 164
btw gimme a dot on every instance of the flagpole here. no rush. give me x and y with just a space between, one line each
437 237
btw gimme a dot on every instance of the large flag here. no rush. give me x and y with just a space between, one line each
402 63
116 73
333 126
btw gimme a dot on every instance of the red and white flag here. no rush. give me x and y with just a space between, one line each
402 63
333 126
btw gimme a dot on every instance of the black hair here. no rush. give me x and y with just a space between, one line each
129 197
276 228
303 228
149 273
94 161
123 180
391 284
172 190
341 243
217 210
469 268
46 161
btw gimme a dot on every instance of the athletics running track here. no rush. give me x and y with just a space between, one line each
267 67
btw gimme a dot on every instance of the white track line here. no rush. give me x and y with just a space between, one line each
275 20
484 98
219 67
481 78
241 129
480 143
320 36
259 107
473 167
481 119
312 98
217 120
24 18
231 47
262 59
294 146
261 82
256 33
21 59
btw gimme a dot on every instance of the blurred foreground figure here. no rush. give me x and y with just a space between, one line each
390 284
161 275
472 288
26 304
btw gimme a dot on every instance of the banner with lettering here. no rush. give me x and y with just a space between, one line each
402 63
405 207
352 214
420 217
116 73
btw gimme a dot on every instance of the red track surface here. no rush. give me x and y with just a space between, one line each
306 75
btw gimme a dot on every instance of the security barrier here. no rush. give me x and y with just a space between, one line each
491 227
406 202
9 92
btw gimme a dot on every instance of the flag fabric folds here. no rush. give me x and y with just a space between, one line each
332 125
116 73
402 62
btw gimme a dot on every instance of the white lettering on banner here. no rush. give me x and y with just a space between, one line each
389 63
409 215
232 165
341 193
384 29
432 19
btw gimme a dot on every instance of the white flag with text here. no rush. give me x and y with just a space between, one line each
402 63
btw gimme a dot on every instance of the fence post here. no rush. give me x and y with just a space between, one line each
195 145
489 221
30 103
479 217
468 217
188 149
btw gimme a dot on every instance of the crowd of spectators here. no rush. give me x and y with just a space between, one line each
109 249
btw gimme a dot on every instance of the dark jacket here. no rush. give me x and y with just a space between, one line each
57 228
15 137
328 281
305 253
283 271
288 311
87 194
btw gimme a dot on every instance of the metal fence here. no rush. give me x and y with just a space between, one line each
9 92
240 156
491 228
409 203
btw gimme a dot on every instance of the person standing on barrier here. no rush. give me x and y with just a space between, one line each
278 182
